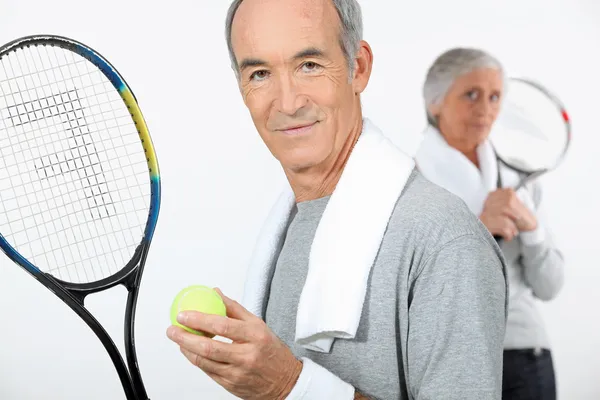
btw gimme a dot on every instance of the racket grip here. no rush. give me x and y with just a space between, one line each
498 238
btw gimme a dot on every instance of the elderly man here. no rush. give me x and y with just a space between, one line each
368 282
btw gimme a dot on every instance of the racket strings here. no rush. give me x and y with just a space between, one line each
35 120
80 155
530 133
15 106
73 175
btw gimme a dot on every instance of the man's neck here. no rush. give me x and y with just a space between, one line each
321 180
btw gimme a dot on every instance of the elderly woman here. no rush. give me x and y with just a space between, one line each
463 94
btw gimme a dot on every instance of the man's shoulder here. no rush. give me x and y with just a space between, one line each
433 215
429 220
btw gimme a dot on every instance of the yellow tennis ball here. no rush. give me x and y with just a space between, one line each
197 298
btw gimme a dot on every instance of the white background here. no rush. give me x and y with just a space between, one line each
219 180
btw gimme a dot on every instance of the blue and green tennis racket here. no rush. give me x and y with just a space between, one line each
79 180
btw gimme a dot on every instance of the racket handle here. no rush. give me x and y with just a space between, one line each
498 238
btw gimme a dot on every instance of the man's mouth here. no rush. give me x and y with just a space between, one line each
297 129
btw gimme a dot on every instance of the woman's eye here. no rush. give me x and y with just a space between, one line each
472 95
495 97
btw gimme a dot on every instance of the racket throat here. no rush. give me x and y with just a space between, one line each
79 297
132 283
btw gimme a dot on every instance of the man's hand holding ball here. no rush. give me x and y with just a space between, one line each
255 365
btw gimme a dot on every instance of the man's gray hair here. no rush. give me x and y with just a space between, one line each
449 66
350 36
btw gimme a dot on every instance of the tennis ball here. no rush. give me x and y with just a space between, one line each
197 298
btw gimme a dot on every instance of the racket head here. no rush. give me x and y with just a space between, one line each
77 164
532 133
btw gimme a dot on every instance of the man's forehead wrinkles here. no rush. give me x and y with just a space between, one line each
267 48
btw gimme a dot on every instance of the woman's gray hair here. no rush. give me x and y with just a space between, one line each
449 66
350 36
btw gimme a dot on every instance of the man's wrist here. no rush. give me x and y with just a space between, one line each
316 382
296 370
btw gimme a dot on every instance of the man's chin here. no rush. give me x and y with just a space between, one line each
299 164
298 167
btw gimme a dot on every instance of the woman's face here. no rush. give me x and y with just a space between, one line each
467 113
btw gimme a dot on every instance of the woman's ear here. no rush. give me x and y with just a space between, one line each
434 110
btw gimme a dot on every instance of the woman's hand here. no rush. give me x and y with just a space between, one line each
505 215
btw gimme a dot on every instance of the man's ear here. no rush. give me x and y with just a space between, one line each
363 65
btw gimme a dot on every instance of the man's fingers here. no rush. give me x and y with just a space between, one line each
234 329
205 364
215 350
235 309
226 375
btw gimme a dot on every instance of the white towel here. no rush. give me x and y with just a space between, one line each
449 168
345 245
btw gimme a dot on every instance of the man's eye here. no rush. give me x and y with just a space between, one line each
259 75
310 66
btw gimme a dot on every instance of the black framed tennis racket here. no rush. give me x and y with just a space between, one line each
79 180
532 133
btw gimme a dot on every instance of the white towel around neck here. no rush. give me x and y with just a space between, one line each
345 245
449 168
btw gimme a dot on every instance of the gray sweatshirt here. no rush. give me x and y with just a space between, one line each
434 317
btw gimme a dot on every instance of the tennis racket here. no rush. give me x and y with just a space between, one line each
79 180
532 133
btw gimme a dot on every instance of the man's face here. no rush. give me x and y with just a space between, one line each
294 78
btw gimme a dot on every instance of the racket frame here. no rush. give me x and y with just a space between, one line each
534 174
530 175
74 294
